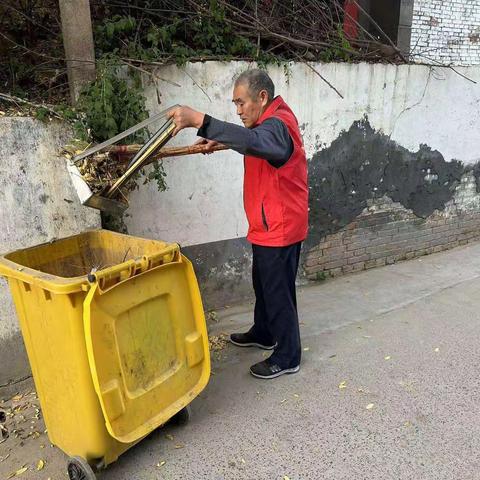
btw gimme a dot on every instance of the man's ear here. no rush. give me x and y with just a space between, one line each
263 95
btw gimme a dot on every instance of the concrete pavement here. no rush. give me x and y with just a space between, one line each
388 389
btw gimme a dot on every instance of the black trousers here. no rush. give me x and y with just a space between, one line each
276 319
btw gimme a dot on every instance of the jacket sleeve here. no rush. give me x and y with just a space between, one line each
270 140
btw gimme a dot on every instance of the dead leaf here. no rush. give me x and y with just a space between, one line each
40 465
19 472
169 437
161 464
437 350
306 349
179 446
342 385
286 478
388 357
366 336
284 400
369 406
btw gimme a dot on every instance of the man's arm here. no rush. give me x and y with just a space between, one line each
270 140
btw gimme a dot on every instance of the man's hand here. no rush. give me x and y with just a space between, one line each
185 117
207 144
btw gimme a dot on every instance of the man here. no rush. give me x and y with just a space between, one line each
276 204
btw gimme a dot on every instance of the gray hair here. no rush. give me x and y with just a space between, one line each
256 80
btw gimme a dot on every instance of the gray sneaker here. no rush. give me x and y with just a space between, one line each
246 340
268 369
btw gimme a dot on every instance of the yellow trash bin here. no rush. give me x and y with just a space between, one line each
115 333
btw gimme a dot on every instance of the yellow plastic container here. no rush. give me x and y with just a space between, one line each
116 337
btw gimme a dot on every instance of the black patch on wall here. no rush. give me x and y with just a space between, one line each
363 164
476 174
223 270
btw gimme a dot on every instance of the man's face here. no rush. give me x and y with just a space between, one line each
249 109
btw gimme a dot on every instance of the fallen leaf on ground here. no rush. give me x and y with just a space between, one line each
40 465
342 385
296 395
161 464
18 472
284 400
306 349
179 446
369 406
286 478
437 350
217 342
366 336
168 436
388 357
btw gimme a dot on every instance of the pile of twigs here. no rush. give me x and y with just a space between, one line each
299 30
101 171
291 29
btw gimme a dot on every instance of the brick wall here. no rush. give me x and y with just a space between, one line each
386 233
446 31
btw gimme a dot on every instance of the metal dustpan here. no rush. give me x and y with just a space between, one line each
107 200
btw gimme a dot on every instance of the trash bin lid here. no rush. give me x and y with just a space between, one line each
147 347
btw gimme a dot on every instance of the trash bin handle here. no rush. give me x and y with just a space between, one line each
162 257
109 277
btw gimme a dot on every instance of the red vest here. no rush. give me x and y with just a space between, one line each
276 199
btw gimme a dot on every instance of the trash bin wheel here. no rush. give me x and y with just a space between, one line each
182 417
79 469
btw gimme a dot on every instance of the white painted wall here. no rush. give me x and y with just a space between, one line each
37 204
413 104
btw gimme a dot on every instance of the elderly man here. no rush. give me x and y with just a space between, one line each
275 196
